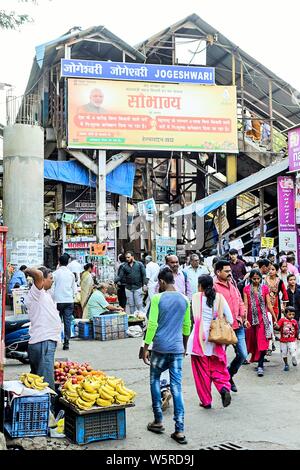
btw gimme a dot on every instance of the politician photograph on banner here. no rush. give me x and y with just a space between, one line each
119 114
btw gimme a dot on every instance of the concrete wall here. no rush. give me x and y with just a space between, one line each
23 193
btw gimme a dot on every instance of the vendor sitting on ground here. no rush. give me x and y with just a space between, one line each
98 304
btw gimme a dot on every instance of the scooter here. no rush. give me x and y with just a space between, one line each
17 337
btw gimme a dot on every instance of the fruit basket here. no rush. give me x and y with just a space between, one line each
27 416
94 424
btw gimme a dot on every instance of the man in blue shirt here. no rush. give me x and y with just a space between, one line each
18 279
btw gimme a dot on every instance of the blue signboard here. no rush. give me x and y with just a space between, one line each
136 72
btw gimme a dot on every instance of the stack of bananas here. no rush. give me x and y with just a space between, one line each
100 391
33 381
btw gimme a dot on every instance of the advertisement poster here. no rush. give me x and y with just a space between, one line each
107 114
164 246
286 213
297 200
294 149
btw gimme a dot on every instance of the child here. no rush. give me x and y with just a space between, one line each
288 327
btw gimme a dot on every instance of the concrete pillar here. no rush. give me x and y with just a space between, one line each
23 193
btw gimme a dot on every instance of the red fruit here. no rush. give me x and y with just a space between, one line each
89 368
66 369
79 372
74 380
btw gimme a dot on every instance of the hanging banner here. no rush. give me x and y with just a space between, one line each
294 149
297 199
286 213
165 246
147 207
106 114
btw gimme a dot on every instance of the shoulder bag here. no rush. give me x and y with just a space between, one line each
221 332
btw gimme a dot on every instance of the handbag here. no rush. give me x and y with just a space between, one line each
221 332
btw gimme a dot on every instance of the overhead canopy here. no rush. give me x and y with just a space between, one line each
119 181
212 202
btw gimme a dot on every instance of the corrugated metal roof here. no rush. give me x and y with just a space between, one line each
286 99
49 53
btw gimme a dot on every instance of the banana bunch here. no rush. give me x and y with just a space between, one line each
33 381
114 390
69 391
100 391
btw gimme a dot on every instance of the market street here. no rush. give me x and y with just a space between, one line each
254 419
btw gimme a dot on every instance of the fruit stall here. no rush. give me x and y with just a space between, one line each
94 402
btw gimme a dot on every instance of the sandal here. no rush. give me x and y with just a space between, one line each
157 428
180 440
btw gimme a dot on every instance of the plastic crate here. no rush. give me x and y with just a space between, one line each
85 330
82 429
109 327
28 416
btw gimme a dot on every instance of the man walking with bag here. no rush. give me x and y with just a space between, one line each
224 285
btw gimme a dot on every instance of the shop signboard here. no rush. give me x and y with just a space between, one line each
98 249
154 116
77 245
68 218
80 199
267 242
286 213
294 149
141 72
165 246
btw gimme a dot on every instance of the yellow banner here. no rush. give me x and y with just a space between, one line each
267 242
108 114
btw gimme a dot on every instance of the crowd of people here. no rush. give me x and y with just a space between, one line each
257 299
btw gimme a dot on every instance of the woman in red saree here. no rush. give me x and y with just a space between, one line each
259 332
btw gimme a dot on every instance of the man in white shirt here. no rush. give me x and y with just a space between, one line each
194 270
152 271
64 293
76 268
45 324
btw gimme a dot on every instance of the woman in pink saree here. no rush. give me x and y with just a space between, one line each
209 361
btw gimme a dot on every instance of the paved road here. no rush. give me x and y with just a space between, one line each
264 414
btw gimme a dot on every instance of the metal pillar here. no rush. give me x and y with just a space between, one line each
231 174
261 211
101 197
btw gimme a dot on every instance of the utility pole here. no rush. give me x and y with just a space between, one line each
101 197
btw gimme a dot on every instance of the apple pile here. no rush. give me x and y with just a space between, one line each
74 371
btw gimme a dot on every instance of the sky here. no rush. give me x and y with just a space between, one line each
266 32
